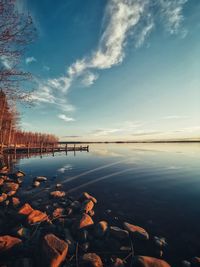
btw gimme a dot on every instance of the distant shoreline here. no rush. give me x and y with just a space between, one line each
129 142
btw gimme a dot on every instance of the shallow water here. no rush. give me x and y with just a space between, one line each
156 186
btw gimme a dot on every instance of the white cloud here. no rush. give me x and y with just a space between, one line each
65 118
30 60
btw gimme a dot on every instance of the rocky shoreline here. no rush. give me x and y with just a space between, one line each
65 232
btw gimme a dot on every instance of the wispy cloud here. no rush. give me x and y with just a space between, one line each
30 60
65 118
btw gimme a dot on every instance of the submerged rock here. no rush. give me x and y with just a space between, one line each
36 184
55 250
10 186
136 231
26 209
37 216
87 205
15 201
4 170
7 242
11 193
91 260
118 232
58 212
85 196
1 181
19 174
57 194
145 261
41 179
118 263
85 221
101 228
3 197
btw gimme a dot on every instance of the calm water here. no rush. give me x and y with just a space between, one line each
156 186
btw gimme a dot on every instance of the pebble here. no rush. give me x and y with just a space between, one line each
92 260
136 231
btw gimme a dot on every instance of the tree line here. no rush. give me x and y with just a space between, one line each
16 32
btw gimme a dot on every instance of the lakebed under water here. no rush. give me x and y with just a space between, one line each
156 186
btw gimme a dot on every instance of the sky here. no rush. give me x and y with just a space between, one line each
107 70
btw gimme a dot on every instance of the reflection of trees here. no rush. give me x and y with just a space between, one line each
10 160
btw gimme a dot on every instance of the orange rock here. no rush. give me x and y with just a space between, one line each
10 186
1 181
15 201
11 193
145 261
55 250
136 231
92 260
85 221
118 263
3 197
37 216
7 242
57 194
25 210
86 196
58 212
87 205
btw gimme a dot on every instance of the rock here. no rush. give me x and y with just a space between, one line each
85 221
55 250
136 231
58 212
3 197
4 169
1 181
22 232
91 213
11 193
118 263
7 187
26 209
36 184
87 205
86 196
145 261
195 261
160 241
58 185
7 242
92 260
101 228
15 201
186 264
57 194
37 216
19 174
41 179
75 205
85 246
118 232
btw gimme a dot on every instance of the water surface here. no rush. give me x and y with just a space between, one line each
156 186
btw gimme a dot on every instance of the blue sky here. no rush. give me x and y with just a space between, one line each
115 69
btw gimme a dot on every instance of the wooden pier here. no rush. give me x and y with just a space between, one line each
45 148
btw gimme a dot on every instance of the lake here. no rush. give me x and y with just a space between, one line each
156 186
